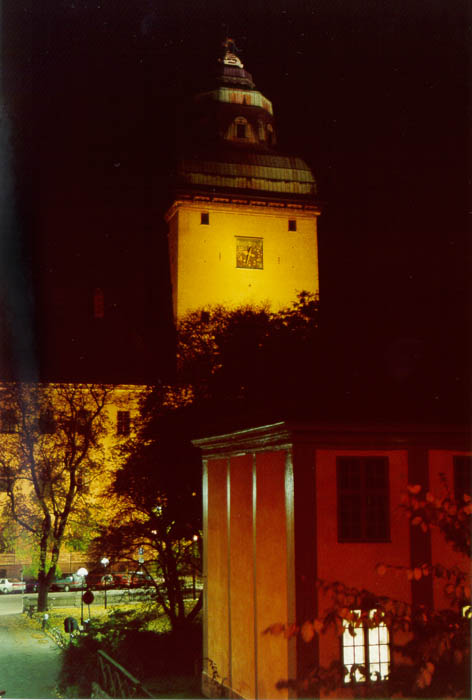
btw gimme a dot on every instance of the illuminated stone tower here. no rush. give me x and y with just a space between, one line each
242 223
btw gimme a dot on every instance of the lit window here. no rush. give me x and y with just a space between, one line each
366 646
292 225
205 218
123 423
363 499
8 421
462 477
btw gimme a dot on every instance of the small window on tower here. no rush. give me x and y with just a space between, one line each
123 423
241 131
292 224
98 304
205 218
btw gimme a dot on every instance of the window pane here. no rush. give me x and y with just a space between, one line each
376 472
383 634
374 653
384 671
384 653
348 656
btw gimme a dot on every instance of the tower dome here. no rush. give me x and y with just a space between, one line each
230 140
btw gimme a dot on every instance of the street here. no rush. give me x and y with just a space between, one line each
29 661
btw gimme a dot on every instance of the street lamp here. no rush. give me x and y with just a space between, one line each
83 573
195 540
104 562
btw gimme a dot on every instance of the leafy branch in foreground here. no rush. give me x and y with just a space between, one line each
433 658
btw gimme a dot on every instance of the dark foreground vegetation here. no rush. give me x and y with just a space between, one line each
167 663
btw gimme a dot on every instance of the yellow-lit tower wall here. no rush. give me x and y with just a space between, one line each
242 226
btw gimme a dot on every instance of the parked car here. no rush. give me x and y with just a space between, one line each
120 580
12 585
139 579
31 585
100 580
17 585
5 585
69 582
95 579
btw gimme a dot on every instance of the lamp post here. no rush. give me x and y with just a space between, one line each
104 562
195 540
83 573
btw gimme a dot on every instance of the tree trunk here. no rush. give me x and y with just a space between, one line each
43 590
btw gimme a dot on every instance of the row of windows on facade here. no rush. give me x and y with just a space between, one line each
205 221
47 423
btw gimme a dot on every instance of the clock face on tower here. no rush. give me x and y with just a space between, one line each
249 253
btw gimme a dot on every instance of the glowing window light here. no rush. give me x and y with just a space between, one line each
369 647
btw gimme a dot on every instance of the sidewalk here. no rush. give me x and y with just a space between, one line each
29 661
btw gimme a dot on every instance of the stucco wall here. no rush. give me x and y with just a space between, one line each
203 257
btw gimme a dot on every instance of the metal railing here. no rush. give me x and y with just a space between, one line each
116 681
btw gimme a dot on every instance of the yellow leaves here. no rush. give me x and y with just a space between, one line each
307 631
417 520
417 573
430 497
426 675
468 508
416 488
381 570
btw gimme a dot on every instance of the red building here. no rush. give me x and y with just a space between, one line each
288 504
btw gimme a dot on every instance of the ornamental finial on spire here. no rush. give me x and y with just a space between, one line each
230 58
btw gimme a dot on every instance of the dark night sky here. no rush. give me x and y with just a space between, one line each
373 94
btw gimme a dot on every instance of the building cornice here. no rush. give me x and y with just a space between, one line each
353 436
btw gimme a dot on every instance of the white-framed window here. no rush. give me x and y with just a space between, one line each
366 644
